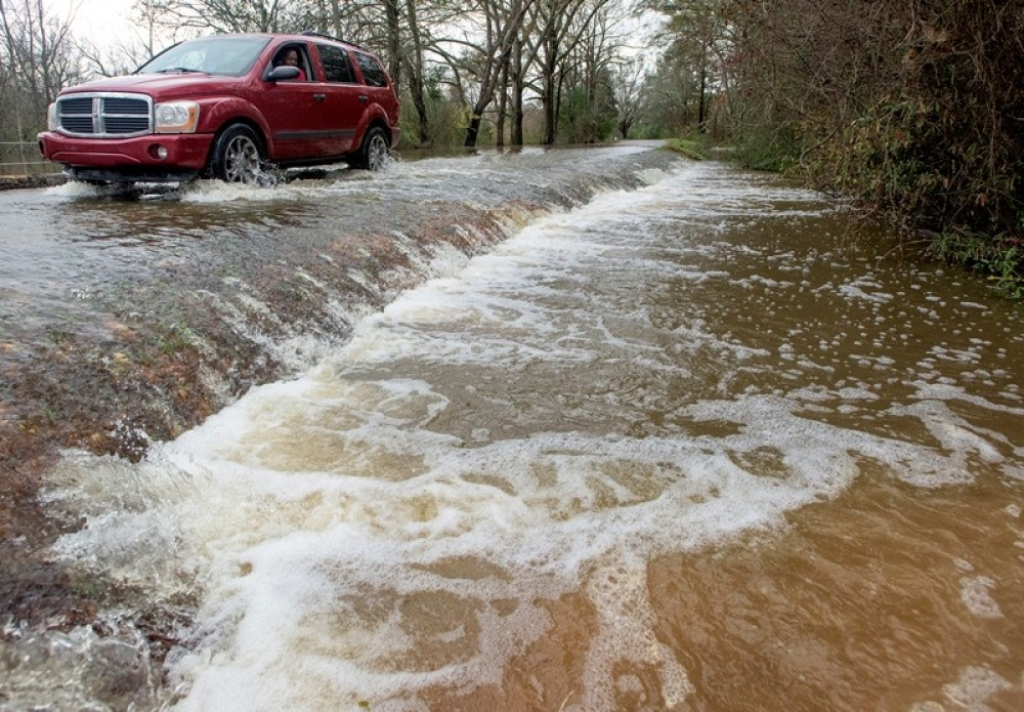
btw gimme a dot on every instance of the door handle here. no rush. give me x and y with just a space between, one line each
363 98
319 97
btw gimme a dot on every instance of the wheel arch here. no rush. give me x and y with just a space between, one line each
378 121
234 121
374 117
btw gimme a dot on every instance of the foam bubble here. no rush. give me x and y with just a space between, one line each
976 594
974 687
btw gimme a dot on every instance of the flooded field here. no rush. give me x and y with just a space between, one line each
693 445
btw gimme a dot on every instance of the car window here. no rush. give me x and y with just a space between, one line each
372 71
337 68
299 52
232 56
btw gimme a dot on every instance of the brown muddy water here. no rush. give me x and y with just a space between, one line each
694 446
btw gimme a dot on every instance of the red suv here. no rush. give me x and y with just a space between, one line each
224 106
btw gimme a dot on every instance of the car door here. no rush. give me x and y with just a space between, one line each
346 98
378 85
375 78
297 111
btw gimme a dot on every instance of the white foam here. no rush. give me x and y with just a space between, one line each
73 189
974 688
975 591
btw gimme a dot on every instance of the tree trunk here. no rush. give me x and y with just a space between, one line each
416 83
518 89
473 131
497 58
502 105
336 17
701 121
394 42
549 103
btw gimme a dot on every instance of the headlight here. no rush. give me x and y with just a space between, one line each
177 117
51 117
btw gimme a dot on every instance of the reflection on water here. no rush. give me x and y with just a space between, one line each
691 447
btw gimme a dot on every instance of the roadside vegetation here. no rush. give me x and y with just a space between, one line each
915 108
689 147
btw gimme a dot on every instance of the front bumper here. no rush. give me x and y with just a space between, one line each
134 158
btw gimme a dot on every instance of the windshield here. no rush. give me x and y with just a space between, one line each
231 56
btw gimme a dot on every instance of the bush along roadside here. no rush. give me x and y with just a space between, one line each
1000 259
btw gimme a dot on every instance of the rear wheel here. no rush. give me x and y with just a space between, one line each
373 154
237 156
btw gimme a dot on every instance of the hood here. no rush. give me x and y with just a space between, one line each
159 86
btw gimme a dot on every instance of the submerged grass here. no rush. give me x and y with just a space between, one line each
1002 260
689 147
905 191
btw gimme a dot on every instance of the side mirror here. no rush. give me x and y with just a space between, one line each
281 74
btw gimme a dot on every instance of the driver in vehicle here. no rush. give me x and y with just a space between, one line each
290 58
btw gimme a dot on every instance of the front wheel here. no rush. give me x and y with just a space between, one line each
373 154
237 156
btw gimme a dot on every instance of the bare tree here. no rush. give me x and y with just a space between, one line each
524 55
130 52
414 55
560 32
489 53
39 47
628 85
40 58
225 15
591 72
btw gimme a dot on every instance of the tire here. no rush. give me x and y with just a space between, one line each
373 154
237 156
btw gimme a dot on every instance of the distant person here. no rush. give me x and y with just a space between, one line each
290 58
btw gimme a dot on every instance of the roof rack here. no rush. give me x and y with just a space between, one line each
324 35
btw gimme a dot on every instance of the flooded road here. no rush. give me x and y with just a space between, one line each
690 446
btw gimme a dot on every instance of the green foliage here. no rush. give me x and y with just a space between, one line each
445 116
587 116
673 98
689 147
176 339
645 130
767 148
1001 259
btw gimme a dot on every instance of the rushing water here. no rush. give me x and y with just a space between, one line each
690 447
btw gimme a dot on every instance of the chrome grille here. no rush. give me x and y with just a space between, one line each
105 115
77 105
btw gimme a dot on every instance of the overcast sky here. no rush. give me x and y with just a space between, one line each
108 23
104 22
